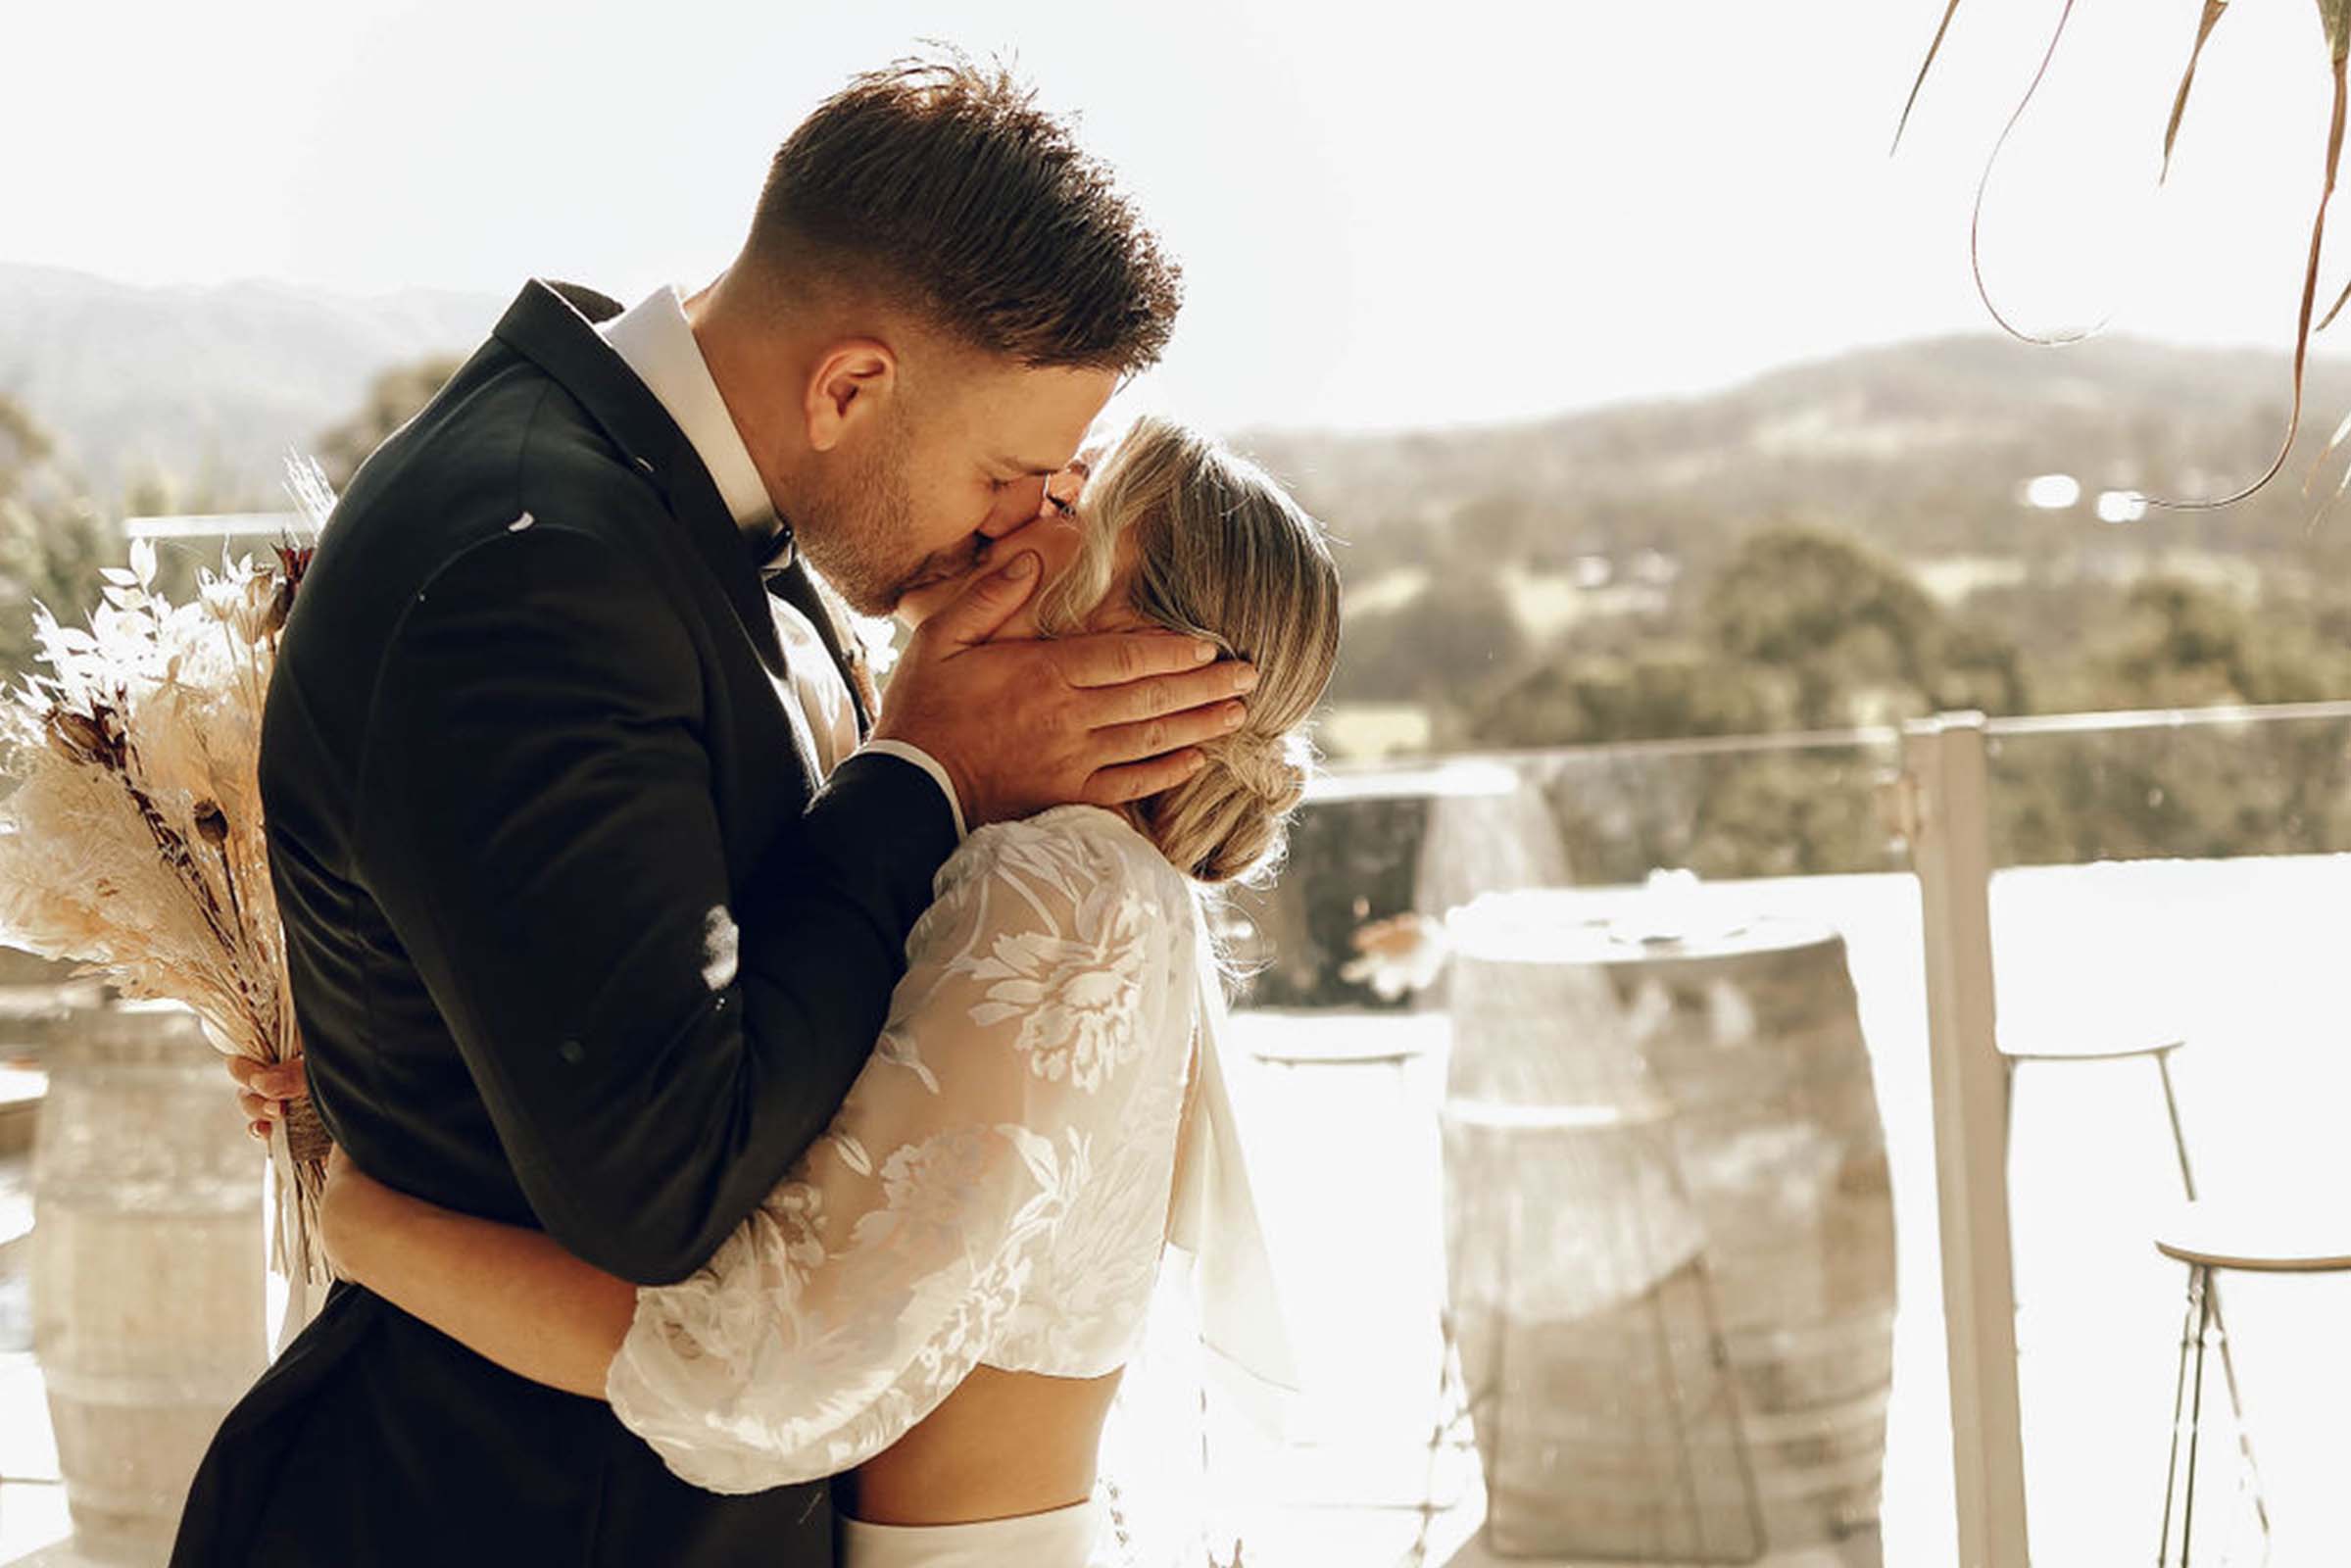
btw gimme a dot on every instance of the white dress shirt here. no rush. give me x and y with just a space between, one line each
654 339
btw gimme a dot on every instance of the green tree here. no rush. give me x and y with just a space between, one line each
2181 644
53 538
1456 634
2276 788
1662 691
1839 621
1800 628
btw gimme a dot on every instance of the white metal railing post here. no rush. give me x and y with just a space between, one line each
1947 823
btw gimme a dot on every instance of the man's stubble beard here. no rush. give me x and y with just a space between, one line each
856 532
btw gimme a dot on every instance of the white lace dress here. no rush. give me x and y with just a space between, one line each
995 1188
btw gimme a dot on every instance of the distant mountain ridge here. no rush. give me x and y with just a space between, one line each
217 382
1921 447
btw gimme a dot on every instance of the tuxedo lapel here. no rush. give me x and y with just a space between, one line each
553 325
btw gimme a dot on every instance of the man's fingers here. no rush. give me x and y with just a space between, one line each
1160 695
261 1107
1112 659
1115 786
1153 737
987 603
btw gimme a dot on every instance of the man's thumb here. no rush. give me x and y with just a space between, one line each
982 608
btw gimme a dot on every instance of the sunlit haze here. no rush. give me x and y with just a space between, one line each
1468 213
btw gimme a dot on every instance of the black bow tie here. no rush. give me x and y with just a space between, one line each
774 552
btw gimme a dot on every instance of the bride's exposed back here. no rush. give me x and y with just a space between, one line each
937 1302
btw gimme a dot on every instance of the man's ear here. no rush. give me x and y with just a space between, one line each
851 382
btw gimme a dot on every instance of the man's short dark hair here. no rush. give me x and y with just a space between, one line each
943 181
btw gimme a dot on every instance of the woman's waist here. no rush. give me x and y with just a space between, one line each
1002 1444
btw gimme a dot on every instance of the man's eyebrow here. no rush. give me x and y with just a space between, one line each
1030 470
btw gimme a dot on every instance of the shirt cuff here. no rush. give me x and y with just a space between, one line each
929 765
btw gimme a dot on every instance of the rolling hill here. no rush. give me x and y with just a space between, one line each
217 381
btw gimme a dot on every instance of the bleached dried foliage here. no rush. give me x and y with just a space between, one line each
132 839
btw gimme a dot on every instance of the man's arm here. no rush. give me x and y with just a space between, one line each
536 820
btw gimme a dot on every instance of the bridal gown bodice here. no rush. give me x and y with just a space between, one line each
994 1189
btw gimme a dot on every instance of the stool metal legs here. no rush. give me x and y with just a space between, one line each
2202 1322
2205 1321
2211 1294
2170 1467
2193 1332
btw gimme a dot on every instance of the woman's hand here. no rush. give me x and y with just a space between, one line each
264 1088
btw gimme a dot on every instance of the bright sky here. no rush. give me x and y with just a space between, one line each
1474 211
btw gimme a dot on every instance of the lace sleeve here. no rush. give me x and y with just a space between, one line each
880 1272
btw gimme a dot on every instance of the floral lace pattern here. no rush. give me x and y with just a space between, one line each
995 1189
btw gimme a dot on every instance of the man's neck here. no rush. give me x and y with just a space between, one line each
732 361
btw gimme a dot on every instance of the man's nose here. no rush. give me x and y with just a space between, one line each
1015 508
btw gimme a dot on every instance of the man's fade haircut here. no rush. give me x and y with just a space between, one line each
942 180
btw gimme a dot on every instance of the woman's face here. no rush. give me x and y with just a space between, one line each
1055 537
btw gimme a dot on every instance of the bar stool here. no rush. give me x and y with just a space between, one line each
2207 1237
2159 1051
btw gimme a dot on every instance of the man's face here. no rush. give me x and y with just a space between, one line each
1058 536
914 497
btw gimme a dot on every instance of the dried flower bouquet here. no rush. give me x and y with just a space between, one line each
132 841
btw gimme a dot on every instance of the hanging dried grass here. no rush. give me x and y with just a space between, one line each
1975 235
2188 79
2335 16
132 841
1912 102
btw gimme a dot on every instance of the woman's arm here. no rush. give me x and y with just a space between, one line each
864 1289
508 1294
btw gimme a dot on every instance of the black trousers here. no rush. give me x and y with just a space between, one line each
377 1441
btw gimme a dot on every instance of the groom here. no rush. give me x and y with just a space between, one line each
576 939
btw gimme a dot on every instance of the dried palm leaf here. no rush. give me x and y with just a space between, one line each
2187 79
2335 443
2336 14
1974 240
1925 66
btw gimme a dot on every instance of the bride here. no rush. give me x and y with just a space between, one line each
936 1306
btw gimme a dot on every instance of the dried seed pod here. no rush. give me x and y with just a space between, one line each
281 604
85 738
292 561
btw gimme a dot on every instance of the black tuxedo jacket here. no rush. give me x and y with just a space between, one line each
575 943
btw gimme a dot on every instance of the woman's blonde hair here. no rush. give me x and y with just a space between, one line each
1221 553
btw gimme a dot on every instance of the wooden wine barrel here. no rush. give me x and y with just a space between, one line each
37 997
147 1268
1744 1050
